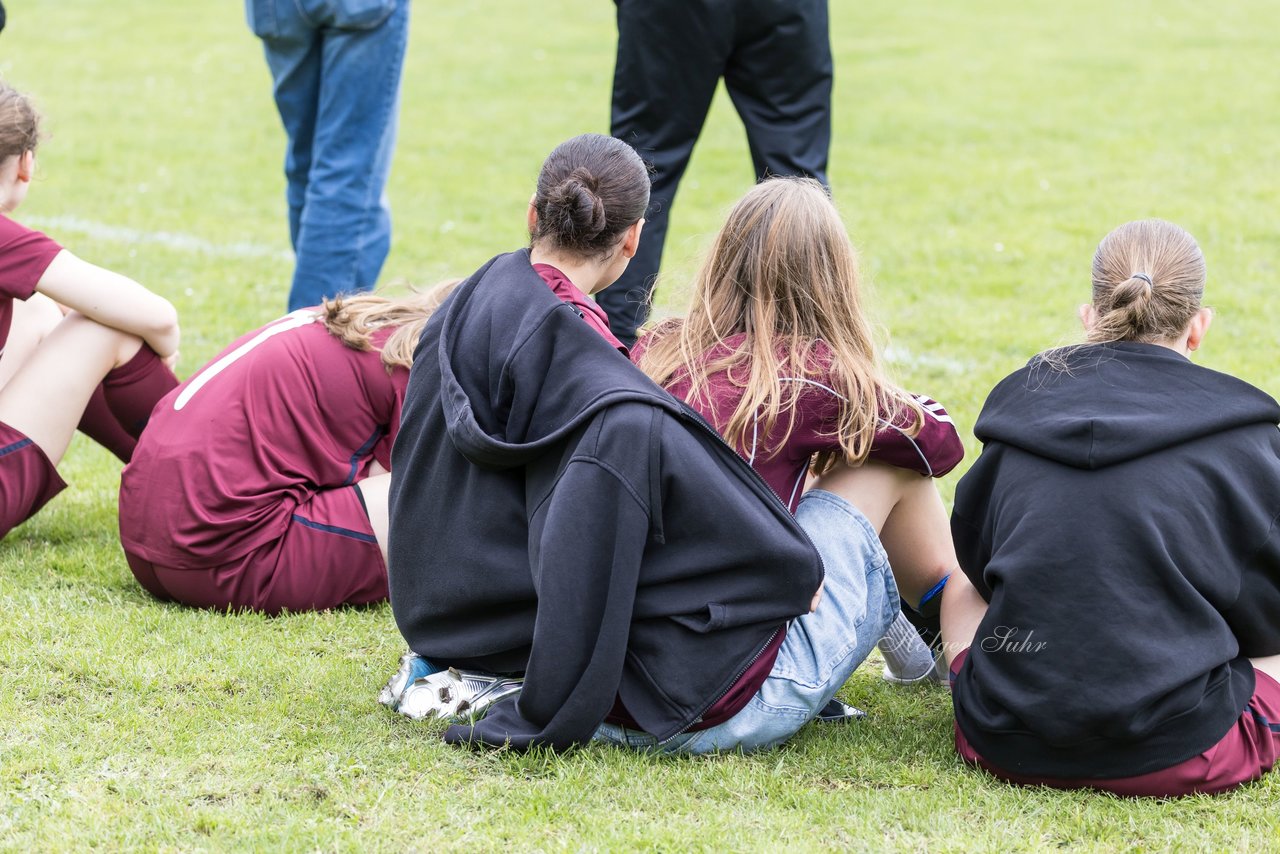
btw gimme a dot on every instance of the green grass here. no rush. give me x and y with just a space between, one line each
981 150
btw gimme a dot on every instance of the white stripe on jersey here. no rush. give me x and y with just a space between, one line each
934 408
883 423
299 318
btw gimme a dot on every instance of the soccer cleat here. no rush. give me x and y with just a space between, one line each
412 667
455 694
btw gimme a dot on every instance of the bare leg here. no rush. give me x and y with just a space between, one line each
375 489
47 395
33 319
1269 665
962 611
907 511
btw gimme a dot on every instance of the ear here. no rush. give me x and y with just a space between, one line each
1198 327
26 166
631 239
532 217
1088 316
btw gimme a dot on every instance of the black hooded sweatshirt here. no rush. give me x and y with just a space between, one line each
1121 521
554 512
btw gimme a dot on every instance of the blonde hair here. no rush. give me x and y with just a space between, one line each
19 123
1148 281
355 319
782 271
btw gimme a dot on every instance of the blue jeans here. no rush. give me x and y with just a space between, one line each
336 70
820 651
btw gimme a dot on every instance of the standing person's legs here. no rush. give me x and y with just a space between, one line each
671 54
292 47
41 405
344 233
779 78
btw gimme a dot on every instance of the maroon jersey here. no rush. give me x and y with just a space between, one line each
24 256
934 451
586 307
227 456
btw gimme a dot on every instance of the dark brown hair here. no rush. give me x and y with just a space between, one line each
590 190
19 123
1148 281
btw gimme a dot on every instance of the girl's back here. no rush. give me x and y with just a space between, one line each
1120 526
777 353
782 453
1120 519
284 411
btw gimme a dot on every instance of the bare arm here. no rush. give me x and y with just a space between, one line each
112 300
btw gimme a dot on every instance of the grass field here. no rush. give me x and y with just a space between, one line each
981 150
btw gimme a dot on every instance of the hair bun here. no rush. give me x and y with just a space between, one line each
1135 289
591 189
575 209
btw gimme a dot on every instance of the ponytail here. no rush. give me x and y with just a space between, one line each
1148 281
355 319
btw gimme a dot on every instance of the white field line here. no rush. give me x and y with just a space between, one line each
902 356
168 239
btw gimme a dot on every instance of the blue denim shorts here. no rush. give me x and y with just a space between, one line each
820 651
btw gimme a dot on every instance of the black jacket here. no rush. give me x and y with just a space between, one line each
554 512
1121 521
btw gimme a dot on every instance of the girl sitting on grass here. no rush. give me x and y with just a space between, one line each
776 353
261 481
79 345
1120 532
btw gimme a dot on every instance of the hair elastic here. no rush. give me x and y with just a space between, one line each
1144 278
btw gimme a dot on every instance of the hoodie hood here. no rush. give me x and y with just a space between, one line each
509 397
1117 402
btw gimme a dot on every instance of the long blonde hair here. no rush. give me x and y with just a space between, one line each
783 272
354 320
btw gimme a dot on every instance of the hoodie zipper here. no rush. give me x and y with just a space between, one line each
722 694
706 425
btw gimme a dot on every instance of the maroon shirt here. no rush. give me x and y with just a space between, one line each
285 411
24 256
934 451
586 307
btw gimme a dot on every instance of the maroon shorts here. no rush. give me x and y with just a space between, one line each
327 556
1244 754
27 478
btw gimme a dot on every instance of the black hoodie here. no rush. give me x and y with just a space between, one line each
556 513
1121 522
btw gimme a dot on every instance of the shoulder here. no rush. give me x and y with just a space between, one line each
24 255
934 449
15 233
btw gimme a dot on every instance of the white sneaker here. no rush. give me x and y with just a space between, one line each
935 675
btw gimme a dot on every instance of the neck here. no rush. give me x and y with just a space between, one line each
1178 346
588 275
